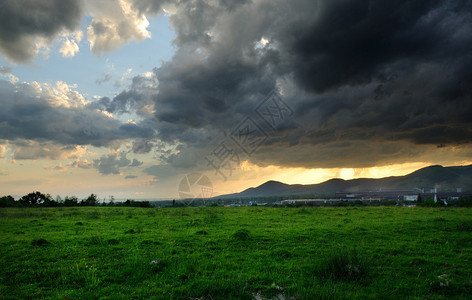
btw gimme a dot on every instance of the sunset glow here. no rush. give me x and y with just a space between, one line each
125 98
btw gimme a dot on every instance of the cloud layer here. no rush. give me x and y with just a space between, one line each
366 82
35 112
369 81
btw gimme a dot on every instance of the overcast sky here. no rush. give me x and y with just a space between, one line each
126 97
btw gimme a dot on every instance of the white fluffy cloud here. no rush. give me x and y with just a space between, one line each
26 29
6 72
70 45
115 23
63 94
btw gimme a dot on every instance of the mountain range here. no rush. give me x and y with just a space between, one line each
445 179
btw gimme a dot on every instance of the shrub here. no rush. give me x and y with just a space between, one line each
358 203
465 202
430 203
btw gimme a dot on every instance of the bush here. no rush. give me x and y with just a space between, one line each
465 202
358 203
429 203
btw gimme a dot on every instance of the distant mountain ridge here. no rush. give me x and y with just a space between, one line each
445 179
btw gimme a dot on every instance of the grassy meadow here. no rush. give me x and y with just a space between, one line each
235 253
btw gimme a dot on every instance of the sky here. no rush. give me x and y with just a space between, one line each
140 99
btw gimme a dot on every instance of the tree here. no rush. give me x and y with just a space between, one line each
7 201
92 200
34 198
133 203
49 202
71 201
112 201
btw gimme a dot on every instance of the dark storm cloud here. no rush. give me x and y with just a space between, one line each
356 73
353 42
369 82
141 146
112 163
139 98
25 115
23 21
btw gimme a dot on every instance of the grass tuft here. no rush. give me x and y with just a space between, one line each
281 254
95 240
113 242
241 235
39 242
465 226
346 265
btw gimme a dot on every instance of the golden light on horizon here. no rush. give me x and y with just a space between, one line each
252 175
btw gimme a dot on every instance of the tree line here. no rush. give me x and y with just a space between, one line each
37 199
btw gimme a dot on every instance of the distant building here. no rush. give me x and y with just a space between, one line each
302 201
371 199
376 195
410 198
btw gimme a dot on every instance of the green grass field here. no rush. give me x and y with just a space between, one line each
235 253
